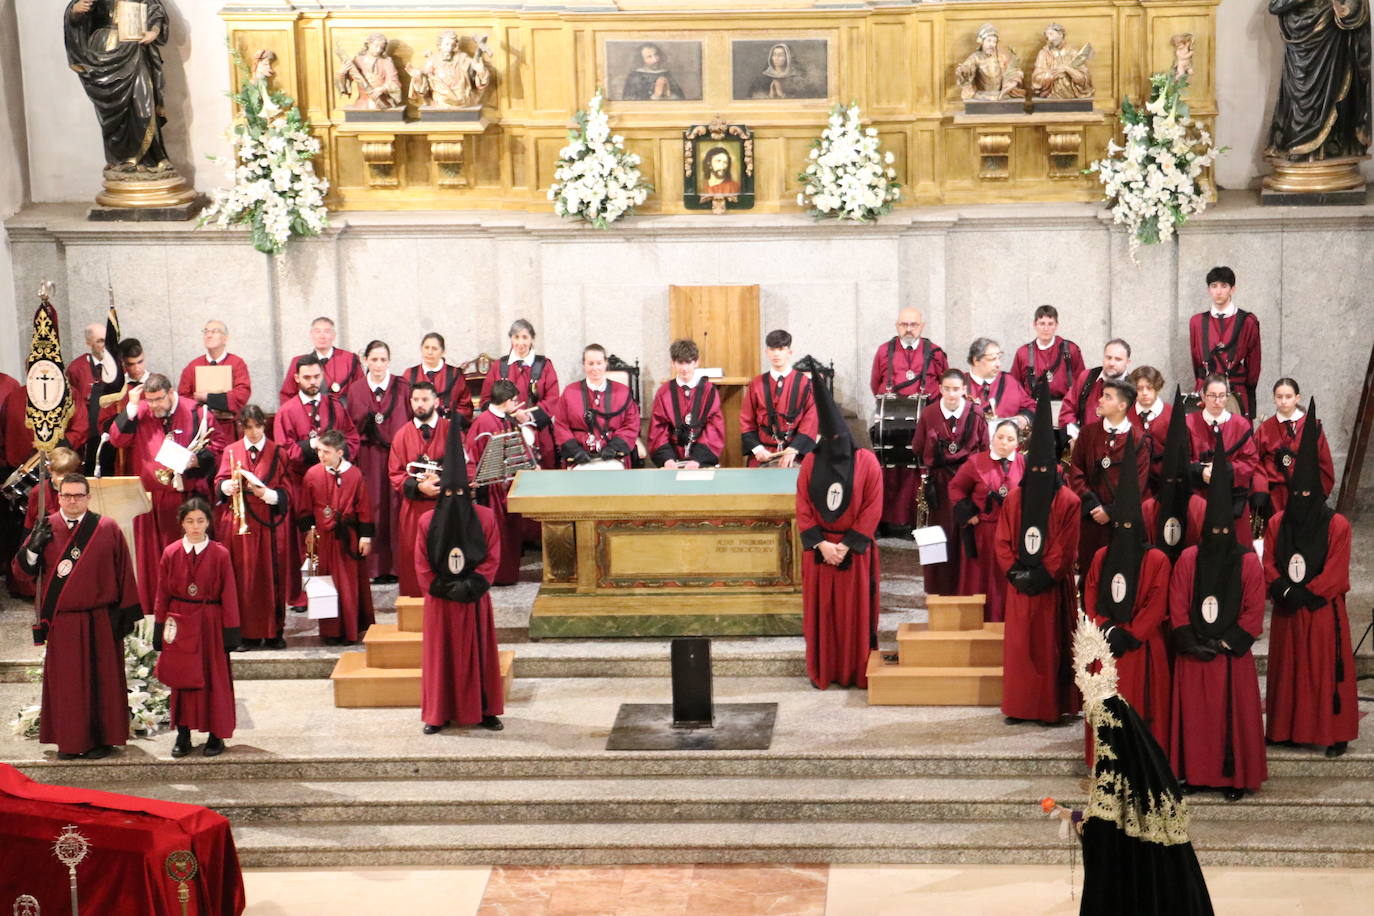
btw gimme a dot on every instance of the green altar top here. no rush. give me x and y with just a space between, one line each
614 493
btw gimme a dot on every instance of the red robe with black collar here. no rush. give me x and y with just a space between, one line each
261 557
614 416
707 421
1004 393
1276 441
932 446
1239 358
374 456
493 496
215 609
791 422
226 405
450 385
976 492
905 373
1049 361
339 510
1156 430
410 445
340 370
539 397
1239 439
1096 485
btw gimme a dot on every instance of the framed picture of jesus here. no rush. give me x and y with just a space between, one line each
718 167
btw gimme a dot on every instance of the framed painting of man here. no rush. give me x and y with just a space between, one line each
718 167
653 70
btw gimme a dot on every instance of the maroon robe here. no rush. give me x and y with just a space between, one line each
1192 525
1061 362
450 385
155 529
1202 690
85 697
931 445
976 492
212 609
340 370
1096 485
1037 673
1004 393
406 446
613 415
790 422
460 668
1143 673
1276 442
226 405
1305 648
81 375
1238 359
1080 404
668 432
341 513
539 396
1156 430
905 372
291 430
840 605
1236 433
493 496
374 457
262 556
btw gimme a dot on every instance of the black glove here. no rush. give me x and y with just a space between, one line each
465 590
1262 504
1121 641
1040 580
233 638
1019 579
40 633
1313 601
1299 596
581 456
1204 649
157 637
39 537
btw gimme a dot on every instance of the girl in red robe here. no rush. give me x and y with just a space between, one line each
379 406
338 518
197 622
1037 542
839 505
262 554
977 492
499 418
1237 435
1277 440
1151 416
1310 696
536 382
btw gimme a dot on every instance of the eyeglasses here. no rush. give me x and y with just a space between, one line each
73 496
908 324
208 331
1214 395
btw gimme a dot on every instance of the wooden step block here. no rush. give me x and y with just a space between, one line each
920 646
956 612
389 647
410 614
890 684
356 686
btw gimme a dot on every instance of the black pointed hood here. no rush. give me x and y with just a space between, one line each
832 469
1305 525
1217 579
1174 489
1039 485
1127 547
457 545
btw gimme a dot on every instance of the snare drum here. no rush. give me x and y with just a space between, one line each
18 485
894 427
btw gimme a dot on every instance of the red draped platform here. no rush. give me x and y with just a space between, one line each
129 838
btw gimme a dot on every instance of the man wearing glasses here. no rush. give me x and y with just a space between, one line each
1238 434
225 400
87 604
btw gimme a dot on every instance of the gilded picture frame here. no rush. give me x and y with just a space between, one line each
718 167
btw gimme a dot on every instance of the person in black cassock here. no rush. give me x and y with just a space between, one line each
1137 858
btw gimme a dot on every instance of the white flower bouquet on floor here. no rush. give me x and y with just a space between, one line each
848 176
276 192
595 179
1155 182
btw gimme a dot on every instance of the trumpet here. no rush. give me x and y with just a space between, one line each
236 501
423 467
166 476
922 505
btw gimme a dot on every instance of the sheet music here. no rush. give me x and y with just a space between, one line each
252 478
176 457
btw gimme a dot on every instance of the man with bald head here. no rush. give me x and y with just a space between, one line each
224 401
94 367
906 366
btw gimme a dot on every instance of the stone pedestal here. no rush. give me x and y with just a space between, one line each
1324 182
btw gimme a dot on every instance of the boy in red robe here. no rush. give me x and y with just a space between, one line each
422 440
1310 696
595 419
498 419
777 418
450 385
1237 434
1216 606
156 415
337 517
536 381
457 550
839 505
261 555
1225 340
1152 416
1037 541
197 617
1126 593
948 433
339 367
88 603
686 428
908 366
978 492
379 407
1049 359
1097 466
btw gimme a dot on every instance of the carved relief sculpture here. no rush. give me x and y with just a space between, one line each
1061 71
372 76
1183 54
263 65
450 77
990 73
1323 109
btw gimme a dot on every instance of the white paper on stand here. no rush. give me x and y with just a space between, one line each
173 456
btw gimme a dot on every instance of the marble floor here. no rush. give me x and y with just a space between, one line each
744 890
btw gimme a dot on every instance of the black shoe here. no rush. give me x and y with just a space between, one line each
62 755
1012 720
433 729
1233 795
298 609
902 532
182 747
214 747
1187 789
99 752
244 646
491 724
384 580
1337 749
275 643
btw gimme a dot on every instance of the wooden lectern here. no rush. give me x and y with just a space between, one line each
724 322
121 498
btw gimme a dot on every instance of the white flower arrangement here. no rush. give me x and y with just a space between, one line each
149 699
276 192
848 176
1155 181
595 179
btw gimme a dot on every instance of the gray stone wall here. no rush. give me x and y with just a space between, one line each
976 270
